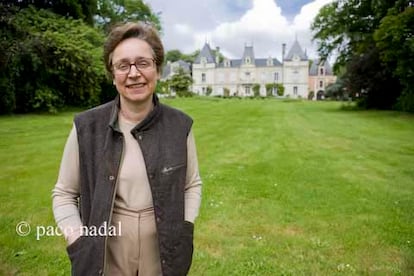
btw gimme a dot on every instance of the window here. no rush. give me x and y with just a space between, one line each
276 76
321 71
269 62
247 90
295 90
274 90
247 75
247 60
203 77
321 84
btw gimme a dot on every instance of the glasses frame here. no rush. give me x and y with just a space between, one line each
138 67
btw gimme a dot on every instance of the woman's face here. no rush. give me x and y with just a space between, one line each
135 84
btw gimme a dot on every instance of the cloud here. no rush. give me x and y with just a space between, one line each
232 24
302 23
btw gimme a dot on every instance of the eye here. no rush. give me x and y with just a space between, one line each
143 63
123 66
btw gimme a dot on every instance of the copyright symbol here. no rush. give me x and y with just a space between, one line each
23 229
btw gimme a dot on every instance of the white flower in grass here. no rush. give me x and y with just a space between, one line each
257 238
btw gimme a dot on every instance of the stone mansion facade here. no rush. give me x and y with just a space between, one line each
237 77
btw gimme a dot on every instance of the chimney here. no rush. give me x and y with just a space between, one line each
217 55
283 51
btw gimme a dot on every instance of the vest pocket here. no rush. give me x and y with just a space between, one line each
80 254
73 247
183 254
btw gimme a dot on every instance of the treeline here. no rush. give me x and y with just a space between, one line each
52 51
374 42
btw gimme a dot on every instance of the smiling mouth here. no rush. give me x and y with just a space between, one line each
136 85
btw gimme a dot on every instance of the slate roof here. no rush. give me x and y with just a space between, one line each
296 50
313 71
248 53
207 53
167 69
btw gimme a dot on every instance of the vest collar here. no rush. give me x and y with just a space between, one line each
144 124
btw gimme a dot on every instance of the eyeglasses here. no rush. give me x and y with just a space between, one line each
141 64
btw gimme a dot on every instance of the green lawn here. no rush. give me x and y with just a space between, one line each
290 188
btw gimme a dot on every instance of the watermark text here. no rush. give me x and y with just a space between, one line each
23 229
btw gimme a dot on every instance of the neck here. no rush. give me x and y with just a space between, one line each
134 112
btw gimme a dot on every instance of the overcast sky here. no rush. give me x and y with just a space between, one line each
231 24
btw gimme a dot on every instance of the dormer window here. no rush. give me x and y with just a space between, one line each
247 60
296 58
269 62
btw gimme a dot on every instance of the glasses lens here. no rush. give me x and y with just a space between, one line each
124 67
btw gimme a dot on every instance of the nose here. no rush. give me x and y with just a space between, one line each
134 71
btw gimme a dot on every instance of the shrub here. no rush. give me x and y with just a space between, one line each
48 60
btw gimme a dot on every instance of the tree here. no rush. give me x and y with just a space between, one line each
180 82
394 39
336 90
280 89
346 28
173 55
271 87
48 61
226 92
256 90
209 90
373 83
112 12
162 87
75 9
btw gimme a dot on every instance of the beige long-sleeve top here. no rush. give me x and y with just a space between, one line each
133 188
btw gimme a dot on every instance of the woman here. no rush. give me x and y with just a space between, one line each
131 165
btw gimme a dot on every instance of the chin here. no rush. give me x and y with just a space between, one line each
141 97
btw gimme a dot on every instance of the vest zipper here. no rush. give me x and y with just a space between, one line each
113 202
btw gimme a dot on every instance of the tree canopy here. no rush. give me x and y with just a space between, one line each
84 9
373 42
52 56
111 12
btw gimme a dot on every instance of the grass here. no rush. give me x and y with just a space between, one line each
290 188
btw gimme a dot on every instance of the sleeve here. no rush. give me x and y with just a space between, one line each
66 191
193 181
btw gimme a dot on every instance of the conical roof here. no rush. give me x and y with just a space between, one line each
296 50
207 53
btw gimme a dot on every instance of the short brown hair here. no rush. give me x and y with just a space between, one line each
139 30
